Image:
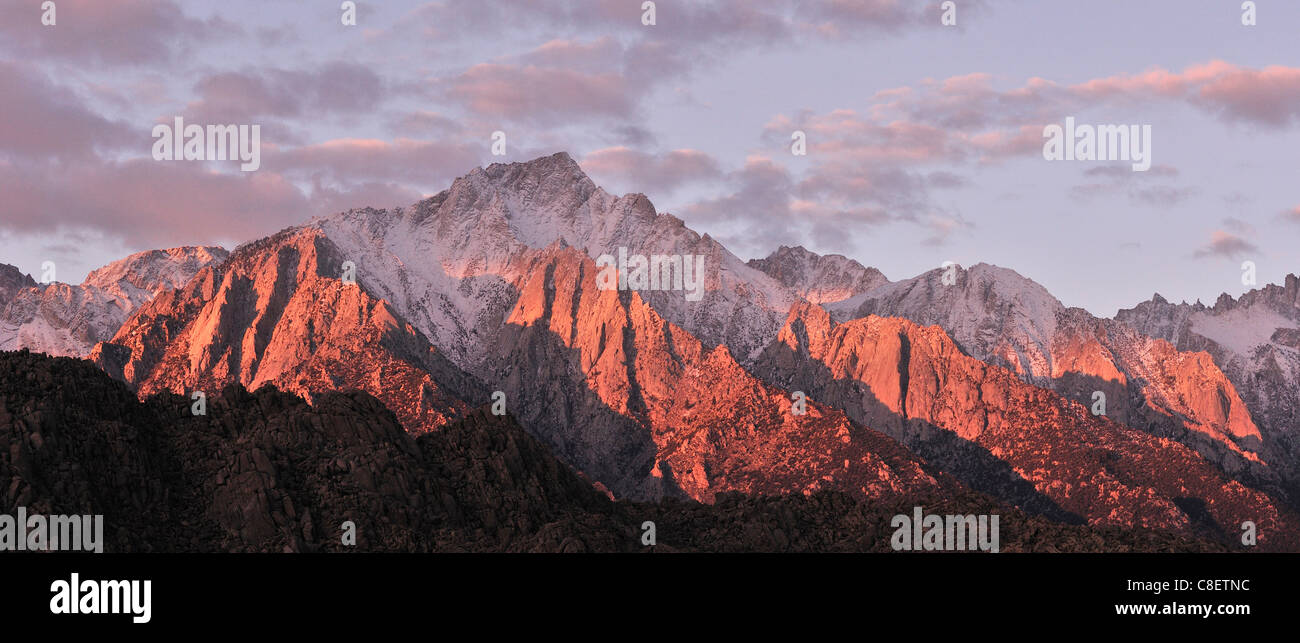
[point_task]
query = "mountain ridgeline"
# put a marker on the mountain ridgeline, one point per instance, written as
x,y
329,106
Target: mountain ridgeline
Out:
x,y
798,405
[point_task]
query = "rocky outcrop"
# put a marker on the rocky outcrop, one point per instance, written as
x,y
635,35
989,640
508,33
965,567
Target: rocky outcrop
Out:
x,y
817,278
280,312
265,471
1004,319
12,280
645,408
1000,435
63,319
1254,340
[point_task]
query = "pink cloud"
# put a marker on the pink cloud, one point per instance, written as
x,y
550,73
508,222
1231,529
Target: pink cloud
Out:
x,y
44,120
1268,96
160,204
106,31
240,97
1025,140
1227,245
862,159
594,56
687,34
846,135
652,172
149,202
542,95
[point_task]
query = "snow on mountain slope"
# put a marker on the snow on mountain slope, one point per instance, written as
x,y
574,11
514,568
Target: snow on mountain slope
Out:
x,y
1241,331
998,316
140,276
1255,339
277,312
67,320
819,279
635,402
1001,435
450,263
639,404
992,311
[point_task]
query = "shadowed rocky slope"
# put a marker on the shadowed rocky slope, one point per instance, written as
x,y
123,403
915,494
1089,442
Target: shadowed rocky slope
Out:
x,y
267,472
647,409
1255,339
1002,436
63,319
1004,319
278,312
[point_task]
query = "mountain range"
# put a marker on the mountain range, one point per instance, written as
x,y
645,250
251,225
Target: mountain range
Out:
x,y
793,379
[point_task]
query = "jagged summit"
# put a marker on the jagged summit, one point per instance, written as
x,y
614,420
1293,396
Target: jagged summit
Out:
x,y
999,316
545,177
142,274
13,280
819,278
946,294
557,162
1255,339
68,320
455,256
1224,302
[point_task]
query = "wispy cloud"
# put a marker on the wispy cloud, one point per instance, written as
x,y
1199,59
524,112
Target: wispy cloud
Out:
x,y
1224,244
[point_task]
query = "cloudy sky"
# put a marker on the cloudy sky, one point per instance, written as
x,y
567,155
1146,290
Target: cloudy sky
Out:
x,y
924,141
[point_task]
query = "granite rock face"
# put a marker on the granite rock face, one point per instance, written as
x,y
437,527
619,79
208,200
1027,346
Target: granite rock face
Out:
x,y
1255,340
265,471
1026,444
1166,389
280,311
65,319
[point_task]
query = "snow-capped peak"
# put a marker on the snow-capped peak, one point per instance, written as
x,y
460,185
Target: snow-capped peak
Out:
x,y
140,276
819,278
452,258
63,319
